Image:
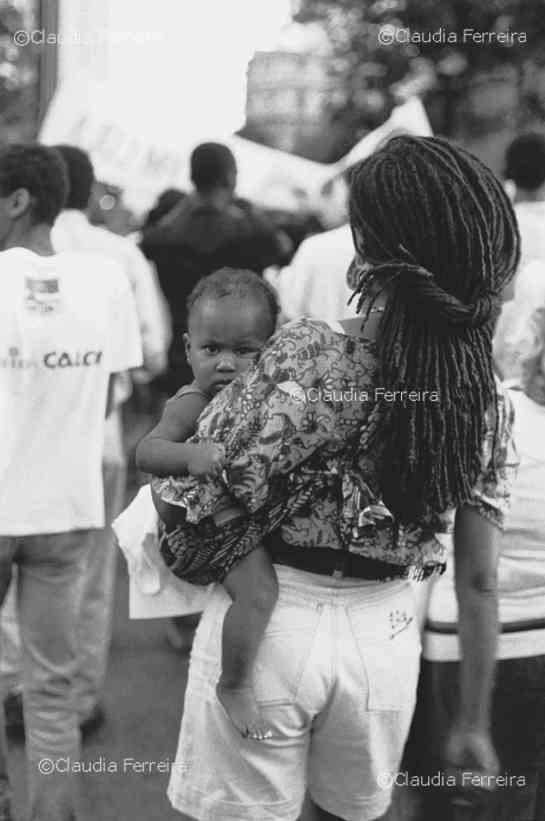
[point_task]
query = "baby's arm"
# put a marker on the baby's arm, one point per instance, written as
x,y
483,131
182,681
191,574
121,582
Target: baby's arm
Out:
x,y
163,452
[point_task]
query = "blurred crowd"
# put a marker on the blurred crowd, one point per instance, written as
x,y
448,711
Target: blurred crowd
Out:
x,y
148,270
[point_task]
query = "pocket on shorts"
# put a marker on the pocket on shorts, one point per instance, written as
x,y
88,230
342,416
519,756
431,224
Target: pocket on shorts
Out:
x,y
388,645
284,652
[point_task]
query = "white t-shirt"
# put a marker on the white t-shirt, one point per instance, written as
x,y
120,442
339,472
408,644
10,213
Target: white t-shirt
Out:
x,y
66,323
531,222
314,284
72,231
521,571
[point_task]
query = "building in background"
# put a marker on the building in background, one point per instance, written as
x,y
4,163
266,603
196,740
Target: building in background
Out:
x,y
288,91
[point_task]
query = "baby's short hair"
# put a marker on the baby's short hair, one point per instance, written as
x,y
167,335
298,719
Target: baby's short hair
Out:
x,y
236,283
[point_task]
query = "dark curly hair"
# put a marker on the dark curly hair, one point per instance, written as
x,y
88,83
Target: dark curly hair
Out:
x,y
212,166
440,234
238,284
81,176
40,171
525,161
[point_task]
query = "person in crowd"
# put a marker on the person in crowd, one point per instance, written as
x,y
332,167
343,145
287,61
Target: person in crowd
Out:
x,y
520,333
165,203
231,314
348,483
519,339
315,283
206,231
518,704
525,167
72,231
68,326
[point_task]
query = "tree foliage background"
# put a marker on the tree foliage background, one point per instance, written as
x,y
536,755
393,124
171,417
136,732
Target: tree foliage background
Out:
x,y
19,78
371,78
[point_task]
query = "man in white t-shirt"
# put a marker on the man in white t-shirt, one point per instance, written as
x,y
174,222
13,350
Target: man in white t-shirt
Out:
x,y
315,284
72,231
67,325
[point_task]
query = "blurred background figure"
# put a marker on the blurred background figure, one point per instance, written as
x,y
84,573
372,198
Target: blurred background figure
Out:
x,y
519,340
165,203
518,713
315,283
205,231
525,167
69,324
73,231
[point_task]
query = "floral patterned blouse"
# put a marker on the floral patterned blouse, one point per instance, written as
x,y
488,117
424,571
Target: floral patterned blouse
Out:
x,y
294,433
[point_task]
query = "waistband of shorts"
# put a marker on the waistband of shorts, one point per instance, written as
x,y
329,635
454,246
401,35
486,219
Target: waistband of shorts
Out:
x,y
311,588
327,561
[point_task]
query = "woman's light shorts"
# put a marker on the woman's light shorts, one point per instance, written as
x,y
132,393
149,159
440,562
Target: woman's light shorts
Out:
x,y
335,677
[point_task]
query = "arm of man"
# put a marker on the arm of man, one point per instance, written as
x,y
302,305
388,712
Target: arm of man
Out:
x,y
125,352
476,559
164,452
151,320
477,534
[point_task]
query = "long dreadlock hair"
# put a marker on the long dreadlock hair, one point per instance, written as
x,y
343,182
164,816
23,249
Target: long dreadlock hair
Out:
x,y
442,239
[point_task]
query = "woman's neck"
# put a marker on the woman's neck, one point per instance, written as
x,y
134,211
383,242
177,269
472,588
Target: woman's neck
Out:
x,y
364,330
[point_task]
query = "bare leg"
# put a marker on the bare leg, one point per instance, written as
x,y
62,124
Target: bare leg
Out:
x,y
254,589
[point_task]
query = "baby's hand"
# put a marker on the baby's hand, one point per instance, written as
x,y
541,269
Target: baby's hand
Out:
x,y
205,459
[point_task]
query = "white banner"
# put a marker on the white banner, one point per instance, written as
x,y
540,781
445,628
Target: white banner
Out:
x,y
144,157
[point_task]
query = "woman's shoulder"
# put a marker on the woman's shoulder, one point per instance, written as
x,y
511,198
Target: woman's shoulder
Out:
x,y
309,350
309,326
318,331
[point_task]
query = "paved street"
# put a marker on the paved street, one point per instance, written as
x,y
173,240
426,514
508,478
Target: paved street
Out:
x,y
143,700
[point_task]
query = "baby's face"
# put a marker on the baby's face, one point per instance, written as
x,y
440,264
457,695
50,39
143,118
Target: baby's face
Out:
x,y
224,340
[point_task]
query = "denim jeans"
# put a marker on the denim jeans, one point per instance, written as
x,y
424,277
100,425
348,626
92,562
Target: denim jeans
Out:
x,y
97,596
50,567
10,641
95,619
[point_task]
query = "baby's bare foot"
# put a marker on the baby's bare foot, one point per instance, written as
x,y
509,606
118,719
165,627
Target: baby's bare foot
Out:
x,y
242,708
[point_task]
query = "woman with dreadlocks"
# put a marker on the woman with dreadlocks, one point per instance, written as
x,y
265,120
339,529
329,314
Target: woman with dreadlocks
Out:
x,y
351,452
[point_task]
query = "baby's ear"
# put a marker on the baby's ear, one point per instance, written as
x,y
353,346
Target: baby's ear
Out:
x,y
187,344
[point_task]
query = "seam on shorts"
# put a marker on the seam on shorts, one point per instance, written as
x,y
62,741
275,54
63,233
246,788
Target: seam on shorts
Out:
x,y
192,800
292,692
